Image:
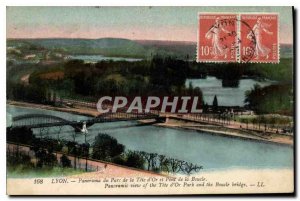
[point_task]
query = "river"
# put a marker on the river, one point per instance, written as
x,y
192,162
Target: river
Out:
x,y
97,58
227,96
211,151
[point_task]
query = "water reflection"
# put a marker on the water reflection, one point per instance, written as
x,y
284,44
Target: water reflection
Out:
x,y
227,96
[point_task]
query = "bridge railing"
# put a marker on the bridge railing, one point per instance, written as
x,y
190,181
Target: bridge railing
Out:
x,y
93,105
44,120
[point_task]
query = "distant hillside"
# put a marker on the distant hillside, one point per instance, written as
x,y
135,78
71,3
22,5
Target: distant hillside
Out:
x,y
184,48
103,46
180,48
121,47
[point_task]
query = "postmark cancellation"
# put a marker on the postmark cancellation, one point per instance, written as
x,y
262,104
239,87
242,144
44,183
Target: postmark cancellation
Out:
x,y
240,38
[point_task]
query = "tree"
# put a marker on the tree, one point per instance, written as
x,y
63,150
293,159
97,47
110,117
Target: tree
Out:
x,y
176,165
188,168
134,159
34,92
21,135
166,72
57,145
215,104
205,107
273,99
21,159
43,150
65,161
72,149
106,147
50,160
84,150
119,160
252,97
150,158
163,163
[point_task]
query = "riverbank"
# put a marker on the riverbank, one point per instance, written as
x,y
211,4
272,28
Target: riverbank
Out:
x,y
79,111
177,124
229,132
225,131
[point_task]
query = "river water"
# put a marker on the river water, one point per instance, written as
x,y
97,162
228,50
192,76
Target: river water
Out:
x,y
211,151
227,96
97,58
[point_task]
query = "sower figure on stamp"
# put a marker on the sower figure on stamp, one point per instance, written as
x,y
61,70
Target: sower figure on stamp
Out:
x,y
260,48
214,34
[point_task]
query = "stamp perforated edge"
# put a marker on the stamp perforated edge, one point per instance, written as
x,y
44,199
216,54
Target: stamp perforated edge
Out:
x,y
278,36
198,28
238,27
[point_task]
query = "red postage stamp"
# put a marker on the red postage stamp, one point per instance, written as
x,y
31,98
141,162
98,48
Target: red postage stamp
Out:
x,y
217,37
259,38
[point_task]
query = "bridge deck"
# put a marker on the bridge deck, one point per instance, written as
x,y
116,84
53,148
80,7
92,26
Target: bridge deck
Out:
x,y
21,121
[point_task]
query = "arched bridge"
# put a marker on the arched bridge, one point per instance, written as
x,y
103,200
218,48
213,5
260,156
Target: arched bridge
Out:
x,y
44,120
38,121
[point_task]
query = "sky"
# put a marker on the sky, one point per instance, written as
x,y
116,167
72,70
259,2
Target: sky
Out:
x,y
137,23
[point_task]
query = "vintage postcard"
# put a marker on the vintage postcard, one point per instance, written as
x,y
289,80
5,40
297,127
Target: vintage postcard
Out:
x,y
150,100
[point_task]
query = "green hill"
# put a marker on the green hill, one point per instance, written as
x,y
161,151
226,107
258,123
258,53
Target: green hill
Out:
x,y
119,47
103,46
